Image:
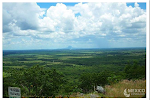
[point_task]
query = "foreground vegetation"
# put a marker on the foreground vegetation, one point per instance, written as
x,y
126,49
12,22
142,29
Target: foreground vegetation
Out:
x,y
54,73
115,90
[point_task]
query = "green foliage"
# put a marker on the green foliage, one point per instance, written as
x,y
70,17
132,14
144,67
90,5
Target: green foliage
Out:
x,y
35,81
53,83
114,78
82,69
6,84
86,82
89,80
135,71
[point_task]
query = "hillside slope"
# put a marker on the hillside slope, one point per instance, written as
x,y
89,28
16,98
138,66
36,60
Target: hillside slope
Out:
x,y
117,90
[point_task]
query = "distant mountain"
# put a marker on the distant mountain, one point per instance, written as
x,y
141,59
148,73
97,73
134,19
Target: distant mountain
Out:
x,y
69,47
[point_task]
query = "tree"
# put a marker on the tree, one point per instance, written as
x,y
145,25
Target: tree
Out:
x,y
52,82
90,80
30,78
39,81
135,71
86,82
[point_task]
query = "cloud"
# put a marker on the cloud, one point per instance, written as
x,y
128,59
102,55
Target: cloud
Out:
x,y
63,17
102,21
25,14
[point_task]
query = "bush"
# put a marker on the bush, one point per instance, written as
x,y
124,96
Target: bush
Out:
x,y
89,80
34,81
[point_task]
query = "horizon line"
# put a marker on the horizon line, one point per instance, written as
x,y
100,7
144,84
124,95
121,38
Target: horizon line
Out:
x,y
71,48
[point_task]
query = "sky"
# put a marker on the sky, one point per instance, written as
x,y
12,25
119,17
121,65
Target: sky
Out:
x,y
35,25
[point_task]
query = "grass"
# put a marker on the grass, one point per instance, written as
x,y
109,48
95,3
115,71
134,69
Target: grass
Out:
x,y
5,74
33,61
117,90
16,66
70,57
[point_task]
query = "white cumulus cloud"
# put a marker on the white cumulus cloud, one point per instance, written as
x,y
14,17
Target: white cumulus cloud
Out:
x,y
84,21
